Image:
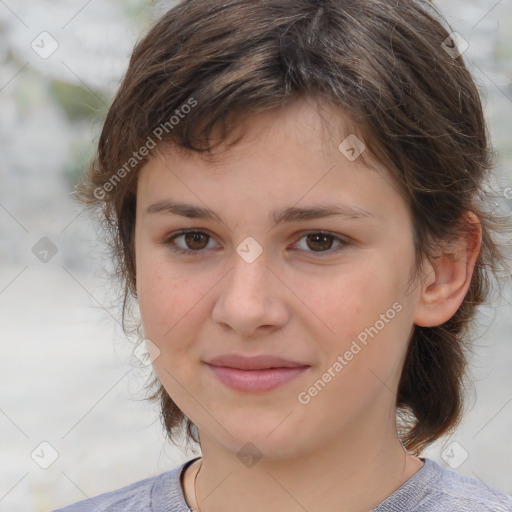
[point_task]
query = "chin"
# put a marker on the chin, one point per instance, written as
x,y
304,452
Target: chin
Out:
x,y
259,441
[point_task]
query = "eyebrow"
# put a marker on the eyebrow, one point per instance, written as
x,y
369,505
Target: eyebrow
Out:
x,y
289,214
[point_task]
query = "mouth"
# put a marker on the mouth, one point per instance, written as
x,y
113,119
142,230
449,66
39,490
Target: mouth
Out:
x,y
260,362
255,380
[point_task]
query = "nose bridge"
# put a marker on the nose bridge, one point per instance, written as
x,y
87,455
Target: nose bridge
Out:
x,y
250,296
250,270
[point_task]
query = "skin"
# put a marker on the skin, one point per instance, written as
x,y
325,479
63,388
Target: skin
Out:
x,y
340,451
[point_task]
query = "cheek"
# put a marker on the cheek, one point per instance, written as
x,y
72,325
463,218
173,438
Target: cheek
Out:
x,y
167,314
363,312
173,306
162,293
164,300
170,307
345,301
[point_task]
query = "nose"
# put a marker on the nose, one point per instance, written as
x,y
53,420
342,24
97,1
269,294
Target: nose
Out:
x,y
252,298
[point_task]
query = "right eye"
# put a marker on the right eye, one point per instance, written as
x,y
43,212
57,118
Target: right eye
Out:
x,y
194,239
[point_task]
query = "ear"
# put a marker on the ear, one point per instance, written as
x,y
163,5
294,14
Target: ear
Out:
x,y
449,278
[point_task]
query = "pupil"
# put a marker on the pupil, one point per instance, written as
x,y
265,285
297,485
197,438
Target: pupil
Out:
x,y
194,237
320,237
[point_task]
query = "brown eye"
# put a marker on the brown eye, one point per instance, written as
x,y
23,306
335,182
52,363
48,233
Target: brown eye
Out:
x,y
192,242
195,240
320,241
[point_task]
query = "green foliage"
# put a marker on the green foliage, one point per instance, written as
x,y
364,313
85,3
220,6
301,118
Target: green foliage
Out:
x,y
82,154
78,102
503,48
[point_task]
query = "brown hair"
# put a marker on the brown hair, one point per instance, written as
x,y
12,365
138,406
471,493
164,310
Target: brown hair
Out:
x,y
386,64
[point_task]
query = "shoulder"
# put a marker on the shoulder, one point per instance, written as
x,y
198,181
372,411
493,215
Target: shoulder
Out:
x,y
158,493
469,494
435,489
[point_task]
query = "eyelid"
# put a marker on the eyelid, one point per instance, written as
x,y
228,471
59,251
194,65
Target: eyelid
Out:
x,y
344,241
168,241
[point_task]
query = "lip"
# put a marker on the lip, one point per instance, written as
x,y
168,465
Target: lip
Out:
x,y
256,373
260,362
256,380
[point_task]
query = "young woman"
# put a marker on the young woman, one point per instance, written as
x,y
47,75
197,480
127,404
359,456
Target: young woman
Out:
x,y
295,196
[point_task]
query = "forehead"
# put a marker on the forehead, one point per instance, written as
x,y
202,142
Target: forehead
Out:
x,y
295,154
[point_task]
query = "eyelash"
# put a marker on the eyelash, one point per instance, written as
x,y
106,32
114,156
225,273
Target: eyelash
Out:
x,y
169,243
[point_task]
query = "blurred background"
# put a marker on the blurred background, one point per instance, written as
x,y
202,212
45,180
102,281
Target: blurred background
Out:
x,y
73,422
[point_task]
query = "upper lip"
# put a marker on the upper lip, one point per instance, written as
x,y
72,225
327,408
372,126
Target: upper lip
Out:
x,y
260,362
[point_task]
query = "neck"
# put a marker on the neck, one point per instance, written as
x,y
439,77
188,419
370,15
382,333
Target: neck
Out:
x,y
342,475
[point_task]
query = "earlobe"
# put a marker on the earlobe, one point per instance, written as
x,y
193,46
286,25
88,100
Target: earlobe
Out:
x,y
443,291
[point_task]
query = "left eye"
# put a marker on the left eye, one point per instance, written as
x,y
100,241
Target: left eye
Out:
x,y
320,239
196,241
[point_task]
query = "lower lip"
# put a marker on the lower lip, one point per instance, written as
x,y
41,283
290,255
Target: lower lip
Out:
x,y
256,380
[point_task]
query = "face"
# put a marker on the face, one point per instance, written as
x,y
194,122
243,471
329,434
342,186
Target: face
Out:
x,y
328,293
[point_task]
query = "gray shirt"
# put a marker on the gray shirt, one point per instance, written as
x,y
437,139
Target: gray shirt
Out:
x,y
431,489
